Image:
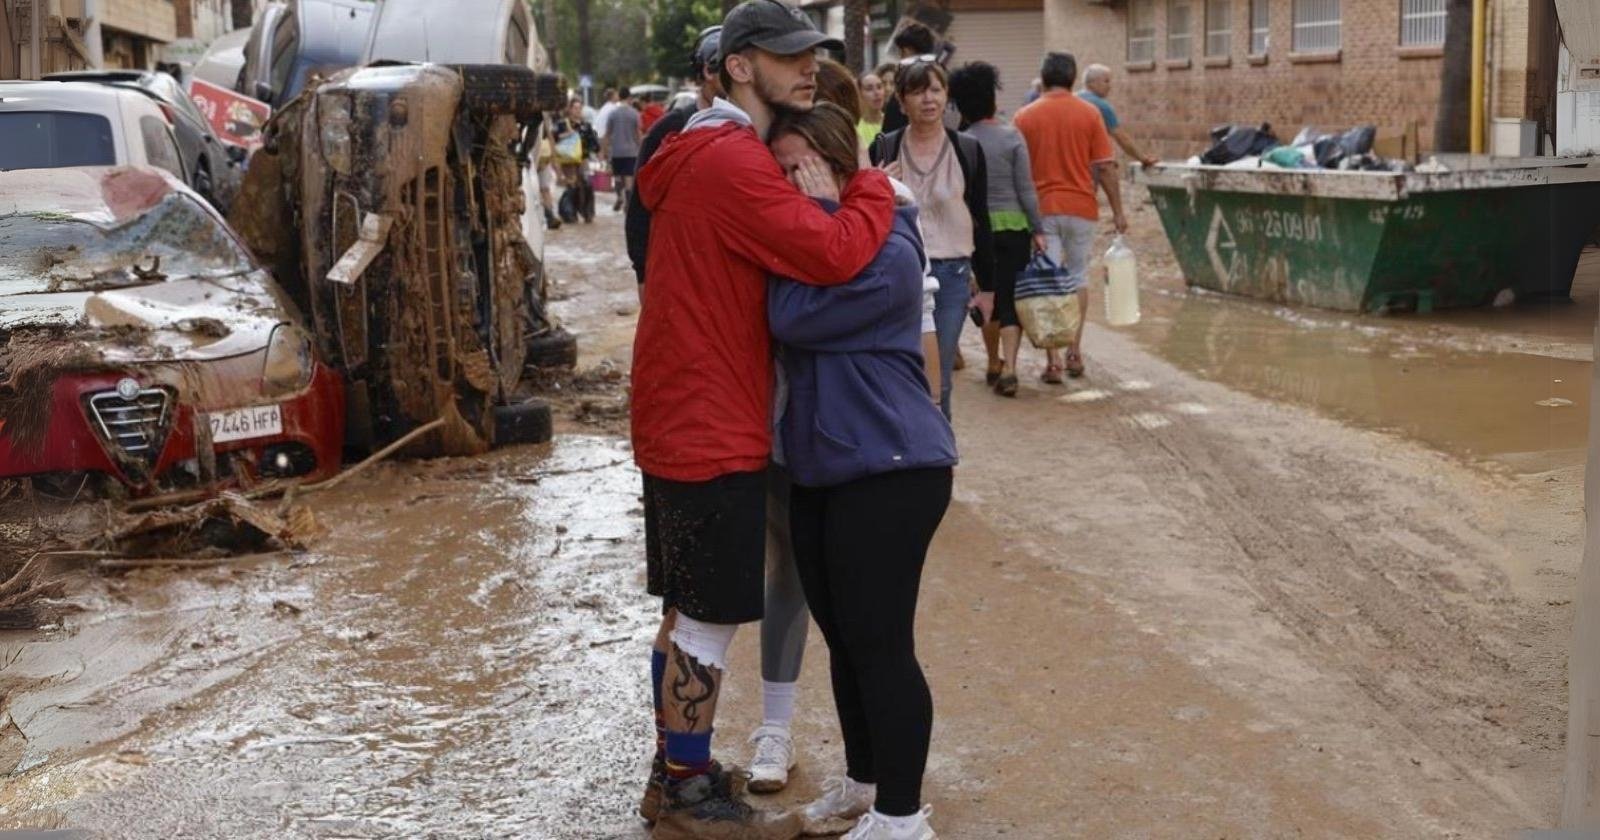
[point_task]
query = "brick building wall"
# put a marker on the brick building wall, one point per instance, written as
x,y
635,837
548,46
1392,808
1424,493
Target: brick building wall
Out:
x,y
1170,106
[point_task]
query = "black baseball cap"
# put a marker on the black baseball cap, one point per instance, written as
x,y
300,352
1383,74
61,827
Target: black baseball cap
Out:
x,y
770,25
706,55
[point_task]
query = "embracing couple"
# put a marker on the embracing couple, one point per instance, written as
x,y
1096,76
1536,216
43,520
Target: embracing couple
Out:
x,y
763,228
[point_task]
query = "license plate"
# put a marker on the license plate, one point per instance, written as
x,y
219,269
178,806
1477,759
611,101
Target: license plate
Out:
x,y
246,423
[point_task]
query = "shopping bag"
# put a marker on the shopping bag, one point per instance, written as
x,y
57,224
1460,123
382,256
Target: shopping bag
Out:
x,y
569,149
1047,303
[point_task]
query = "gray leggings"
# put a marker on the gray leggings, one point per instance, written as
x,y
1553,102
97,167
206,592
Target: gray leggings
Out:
x,y
783,629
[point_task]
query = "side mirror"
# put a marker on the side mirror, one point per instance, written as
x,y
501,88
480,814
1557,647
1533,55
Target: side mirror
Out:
x,y
263,92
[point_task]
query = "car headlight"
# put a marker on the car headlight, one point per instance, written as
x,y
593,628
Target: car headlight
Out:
x,y
333,112
289,364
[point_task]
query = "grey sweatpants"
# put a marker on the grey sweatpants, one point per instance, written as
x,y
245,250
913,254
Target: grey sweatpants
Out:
x,y
783,629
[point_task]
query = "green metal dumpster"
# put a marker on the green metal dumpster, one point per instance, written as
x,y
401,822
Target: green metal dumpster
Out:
x,y
1375,241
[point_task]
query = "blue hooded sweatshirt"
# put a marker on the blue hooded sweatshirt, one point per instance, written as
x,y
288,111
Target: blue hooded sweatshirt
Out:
x,y
858,400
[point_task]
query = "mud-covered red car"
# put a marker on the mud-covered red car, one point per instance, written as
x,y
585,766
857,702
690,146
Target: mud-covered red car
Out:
x,y
143,348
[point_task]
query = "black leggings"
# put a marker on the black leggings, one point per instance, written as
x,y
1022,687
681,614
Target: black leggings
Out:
x,y
860,548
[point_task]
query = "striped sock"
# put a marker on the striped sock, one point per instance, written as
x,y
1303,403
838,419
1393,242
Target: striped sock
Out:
x,y
688,754
658,672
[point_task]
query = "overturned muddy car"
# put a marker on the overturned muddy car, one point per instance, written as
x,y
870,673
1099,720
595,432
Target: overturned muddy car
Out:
x,y
142,348
389,201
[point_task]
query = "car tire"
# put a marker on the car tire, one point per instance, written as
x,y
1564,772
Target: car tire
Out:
x,y
554,349
527,422
510,89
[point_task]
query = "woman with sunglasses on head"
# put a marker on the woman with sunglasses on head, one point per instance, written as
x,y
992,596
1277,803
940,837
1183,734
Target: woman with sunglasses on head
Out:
x,y
947,172
1014,219
871,461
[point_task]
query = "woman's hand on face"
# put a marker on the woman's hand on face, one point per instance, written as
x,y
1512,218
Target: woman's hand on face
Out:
x,y
813,177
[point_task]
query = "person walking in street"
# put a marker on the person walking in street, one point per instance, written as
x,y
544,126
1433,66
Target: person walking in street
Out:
x,y
622,138
1070,151
724,217
946,170
609,104
1014,217
1096,90
871,459
578,140
784,623
911,40
650,112
873,93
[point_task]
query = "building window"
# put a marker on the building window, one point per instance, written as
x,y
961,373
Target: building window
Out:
x,y
1219,28
1179,30
1142,30
1316,26
1259,28
1421,23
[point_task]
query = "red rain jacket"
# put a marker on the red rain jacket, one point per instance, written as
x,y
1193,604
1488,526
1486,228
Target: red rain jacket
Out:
x,y
724,218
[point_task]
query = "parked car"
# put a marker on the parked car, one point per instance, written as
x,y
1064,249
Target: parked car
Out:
x,y
211,169
293,41
141,344
479,33
54,124
223,61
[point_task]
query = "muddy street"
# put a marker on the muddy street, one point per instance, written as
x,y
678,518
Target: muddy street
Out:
x,y
1263,572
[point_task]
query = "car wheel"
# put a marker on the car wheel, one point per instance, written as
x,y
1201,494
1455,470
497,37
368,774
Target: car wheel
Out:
x,y
528,422
553,349
510,89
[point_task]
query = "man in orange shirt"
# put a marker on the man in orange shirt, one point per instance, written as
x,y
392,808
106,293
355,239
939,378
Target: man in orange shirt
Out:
x,y
1069,150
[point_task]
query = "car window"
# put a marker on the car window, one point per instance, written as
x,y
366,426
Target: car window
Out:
x,y
56,252
172,93
285,43
159,147
50,139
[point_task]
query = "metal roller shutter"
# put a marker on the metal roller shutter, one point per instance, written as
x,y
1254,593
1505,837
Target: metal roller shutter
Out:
x,y
1011,41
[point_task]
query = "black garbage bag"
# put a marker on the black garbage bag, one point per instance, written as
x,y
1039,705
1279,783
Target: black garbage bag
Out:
x,y
1238,141
1358,140
1328,151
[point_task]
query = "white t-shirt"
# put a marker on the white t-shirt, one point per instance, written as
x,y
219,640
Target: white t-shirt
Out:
x,y
600,118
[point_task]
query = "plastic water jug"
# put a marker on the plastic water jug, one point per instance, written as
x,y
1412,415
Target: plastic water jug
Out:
x,y
1122,285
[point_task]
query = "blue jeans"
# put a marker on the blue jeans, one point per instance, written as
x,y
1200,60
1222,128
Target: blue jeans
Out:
x,y
950,306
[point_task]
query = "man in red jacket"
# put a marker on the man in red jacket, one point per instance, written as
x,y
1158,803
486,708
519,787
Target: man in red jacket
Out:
x,y
724,218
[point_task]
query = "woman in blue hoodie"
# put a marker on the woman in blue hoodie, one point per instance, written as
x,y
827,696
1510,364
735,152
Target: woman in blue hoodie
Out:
x,y
871,456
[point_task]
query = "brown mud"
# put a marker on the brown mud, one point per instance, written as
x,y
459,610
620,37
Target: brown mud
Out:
x,y
1168,601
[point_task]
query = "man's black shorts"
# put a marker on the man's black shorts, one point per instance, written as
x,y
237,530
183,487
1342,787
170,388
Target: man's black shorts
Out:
x,y
624,167
706,545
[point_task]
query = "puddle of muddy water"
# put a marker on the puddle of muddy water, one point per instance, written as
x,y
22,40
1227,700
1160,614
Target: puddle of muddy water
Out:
x,y
456,648
1454,382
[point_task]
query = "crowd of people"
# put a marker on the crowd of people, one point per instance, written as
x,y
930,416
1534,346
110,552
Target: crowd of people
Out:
x,y
809,245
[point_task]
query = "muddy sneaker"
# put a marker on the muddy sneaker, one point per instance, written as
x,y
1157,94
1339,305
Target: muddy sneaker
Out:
x,y
843,801
875,826
773,759
708,808
654,791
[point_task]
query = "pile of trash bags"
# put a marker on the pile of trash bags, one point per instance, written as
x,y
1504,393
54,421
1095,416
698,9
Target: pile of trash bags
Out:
x,y
1251,147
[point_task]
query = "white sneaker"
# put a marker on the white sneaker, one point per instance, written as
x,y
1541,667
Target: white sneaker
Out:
x,y
875,826
774,758
843,801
